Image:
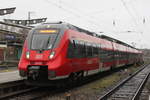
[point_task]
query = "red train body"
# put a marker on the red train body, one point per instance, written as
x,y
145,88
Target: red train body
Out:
x,y
54,51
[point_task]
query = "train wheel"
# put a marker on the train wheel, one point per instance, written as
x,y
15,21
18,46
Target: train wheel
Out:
x,y
75,78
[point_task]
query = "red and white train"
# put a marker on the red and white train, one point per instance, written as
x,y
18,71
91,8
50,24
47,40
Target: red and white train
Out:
x,y
58,51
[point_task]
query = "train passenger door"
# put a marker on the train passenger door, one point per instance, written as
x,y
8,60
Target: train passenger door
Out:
x,y
101,58
115,55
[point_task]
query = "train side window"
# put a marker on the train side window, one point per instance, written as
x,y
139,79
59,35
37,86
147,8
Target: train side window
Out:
x,y
70,52
73,49
88,50
83,50
76,42
110,55
95,50
115,55
106,55
76,50
102,54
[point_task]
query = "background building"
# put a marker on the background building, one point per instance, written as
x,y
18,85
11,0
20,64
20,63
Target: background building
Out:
x,y
11,41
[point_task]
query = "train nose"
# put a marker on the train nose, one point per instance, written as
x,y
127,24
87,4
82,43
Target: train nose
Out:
x,y
39,56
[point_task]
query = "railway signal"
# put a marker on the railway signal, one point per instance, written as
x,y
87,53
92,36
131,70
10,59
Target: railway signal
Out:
x,y
7,11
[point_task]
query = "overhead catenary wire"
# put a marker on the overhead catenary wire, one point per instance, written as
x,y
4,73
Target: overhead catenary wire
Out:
x,y
89,16
140,31
100,11
76,13
63,9
142,25
92,19
130,14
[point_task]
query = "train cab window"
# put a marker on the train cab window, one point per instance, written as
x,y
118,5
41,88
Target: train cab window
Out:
x,y
43,39
42,42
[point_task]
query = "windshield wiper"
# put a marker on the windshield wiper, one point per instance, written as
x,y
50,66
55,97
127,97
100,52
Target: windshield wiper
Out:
x,y
48,41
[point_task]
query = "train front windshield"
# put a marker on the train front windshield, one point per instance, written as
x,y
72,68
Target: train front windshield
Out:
x,y
43,39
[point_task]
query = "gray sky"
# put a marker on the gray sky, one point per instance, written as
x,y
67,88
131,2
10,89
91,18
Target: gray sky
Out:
x,y
93,15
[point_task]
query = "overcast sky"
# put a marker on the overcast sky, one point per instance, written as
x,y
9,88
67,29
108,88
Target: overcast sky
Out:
x,y
93,15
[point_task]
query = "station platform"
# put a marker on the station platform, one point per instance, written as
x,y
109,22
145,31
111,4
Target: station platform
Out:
x,y
6,77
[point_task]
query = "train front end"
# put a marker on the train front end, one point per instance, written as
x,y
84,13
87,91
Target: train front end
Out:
x,y
41,57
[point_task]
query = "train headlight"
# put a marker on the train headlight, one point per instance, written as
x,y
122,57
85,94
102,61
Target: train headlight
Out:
x,y
27,54
51,55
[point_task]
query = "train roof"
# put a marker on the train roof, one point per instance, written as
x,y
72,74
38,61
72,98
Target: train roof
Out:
x,y
91,33
116,41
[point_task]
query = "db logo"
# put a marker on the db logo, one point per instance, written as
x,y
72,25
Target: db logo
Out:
x,y
39,56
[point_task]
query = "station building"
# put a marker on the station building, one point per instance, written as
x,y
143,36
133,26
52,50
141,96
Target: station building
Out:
x,y
11,42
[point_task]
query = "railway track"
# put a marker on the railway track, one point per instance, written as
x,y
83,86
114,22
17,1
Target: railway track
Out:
x,y
36,93
144,95
19,91
32,94
129,88
11,89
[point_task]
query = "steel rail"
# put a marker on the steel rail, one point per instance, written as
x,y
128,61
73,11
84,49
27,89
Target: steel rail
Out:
x,y
136,96
109,93
6,96
13,88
